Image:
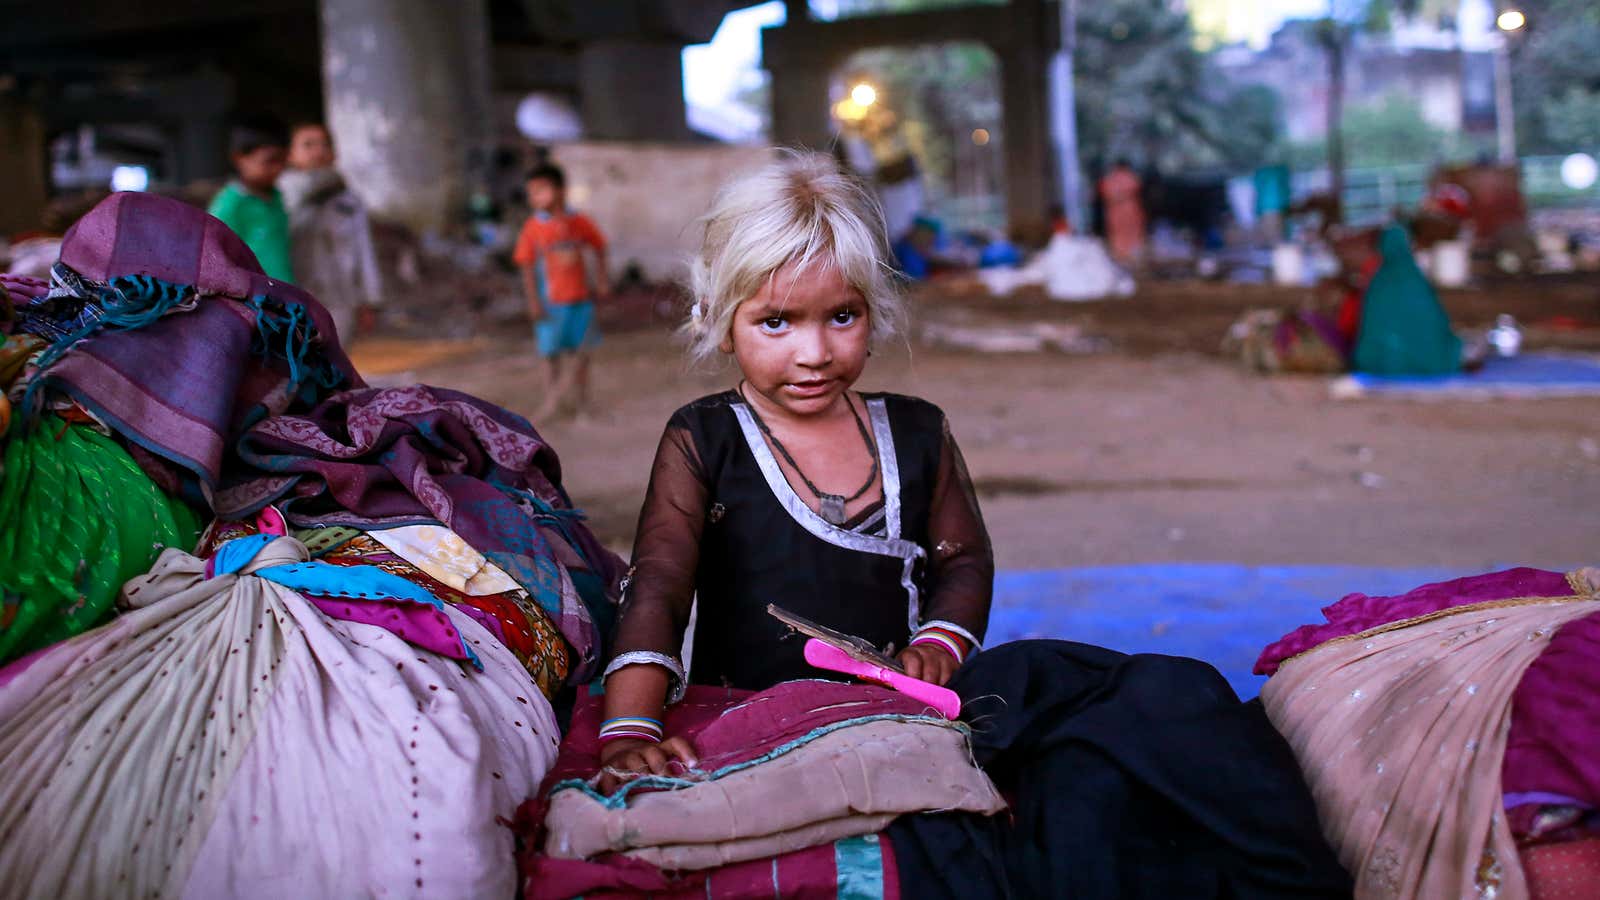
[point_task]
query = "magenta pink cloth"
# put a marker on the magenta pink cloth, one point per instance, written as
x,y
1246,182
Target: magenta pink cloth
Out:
x,y
1554,745
24,287
1356,613
1555,710
420,626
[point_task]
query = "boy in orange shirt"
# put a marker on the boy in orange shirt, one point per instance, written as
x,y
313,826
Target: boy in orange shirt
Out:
x,y
550,253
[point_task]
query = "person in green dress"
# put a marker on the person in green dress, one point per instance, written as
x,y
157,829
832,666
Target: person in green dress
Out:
x,y
1404,330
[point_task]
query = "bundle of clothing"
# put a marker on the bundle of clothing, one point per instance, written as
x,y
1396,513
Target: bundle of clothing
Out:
x,y
1093,754
791,773
240,583
1449,734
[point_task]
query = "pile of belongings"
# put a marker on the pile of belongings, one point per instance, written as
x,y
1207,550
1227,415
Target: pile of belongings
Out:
x,y
790,794
1069,268
264,630
1449,734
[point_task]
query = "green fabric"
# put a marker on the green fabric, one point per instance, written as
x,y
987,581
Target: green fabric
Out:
x,y
1404,330
320,541
263,224
858,862
78,518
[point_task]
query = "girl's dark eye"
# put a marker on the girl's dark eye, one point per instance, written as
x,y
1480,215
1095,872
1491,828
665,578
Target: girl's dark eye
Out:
x,y
844,317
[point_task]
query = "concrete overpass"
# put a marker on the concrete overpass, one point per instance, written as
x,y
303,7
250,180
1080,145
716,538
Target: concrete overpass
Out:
x,y
412,88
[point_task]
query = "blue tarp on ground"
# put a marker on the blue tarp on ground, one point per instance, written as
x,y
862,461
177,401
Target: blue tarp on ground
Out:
x,y
1219,612
1528,375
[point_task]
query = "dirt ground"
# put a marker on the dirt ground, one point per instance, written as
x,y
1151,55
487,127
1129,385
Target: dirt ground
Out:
x,y
1154,449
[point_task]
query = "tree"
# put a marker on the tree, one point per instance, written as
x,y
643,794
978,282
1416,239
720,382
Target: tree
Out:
x,y
1336,32
1556,76
1389,132
1146,93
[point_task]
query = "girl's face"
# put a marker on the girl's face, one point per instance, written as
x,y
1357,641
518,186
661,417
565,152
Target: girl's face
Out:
x,y
801,341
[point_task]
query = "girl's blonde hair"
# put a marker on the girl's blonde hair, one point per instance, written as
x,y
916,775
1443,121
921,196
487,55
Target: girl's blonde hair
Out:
x,y
800,209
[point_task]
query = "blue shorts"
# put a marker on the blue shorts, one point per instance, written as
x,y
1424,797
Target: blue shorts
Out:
x,y
566,328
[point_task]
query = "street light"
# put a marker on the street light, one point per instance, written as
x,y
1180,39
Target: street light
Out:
x,y
864,94
1505,125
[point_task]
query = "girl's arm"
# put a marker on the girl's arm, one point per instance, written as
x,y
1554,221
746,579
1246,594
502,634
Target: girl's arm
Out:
x,y
645,674
961,569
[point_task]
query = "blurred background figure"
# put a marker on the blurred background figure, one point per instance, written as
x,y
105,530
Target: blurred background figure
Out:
x,y
1125,218
561,289
330,233
250,203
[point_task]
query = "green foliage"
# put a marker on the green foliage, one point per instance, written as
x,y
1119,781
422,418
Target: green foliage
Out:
x,y
1143,92
1389,132
1146,93
1572,120
937,94
1253,132
1556,77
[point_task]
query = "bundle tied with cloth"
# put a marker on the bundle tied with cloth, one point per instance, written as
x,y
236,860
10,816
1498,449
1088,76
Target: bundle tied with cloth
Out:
x,y
392,587
797,765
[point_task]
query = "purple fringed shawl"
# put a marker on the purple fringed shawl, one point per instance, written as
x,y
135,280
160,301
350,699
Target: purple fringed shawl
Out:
x,y
185,386
376,458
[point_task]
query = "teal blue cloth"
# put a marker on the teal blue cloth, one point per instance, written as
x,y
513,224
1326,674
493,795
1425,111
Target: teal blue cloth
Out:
x,y
320,579
566,328
858,862
1272,189
1404,329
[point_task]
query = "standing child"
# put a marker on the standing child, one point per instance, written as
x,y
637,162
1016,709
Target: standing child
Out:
x,y
560,289
250,203
1133,776
334,254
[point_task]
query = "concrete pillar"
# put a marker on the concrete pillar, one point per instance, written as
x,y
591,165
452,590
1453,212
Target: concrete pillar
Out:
x,y
800,115
24,166
1025,114
199,106
631,89
408,102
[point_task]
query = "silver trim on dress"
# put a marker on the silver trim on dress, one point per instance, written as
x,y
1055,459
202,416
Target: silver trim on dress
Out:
x,y
808,519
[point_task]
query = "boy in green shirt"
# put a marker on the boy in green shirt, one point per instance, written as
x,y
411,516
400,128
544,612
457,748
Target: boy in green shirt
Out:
x,y
250,204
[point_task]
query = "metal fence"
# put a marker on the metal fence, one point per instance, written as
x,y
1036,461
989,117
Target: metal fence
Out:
x,y
1371,194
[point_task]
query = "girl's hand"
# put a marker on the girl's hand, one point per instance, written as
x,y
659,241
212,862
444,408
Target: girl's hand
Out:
x,y
929,663
670,757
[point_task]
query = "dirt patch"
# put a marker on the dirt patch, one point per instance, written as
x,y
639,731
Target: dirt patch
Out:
x,y
1158,451
1558,311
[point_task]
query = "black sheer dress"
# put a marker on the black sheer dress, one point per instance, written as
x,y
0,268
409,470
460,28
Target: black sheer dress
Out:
x,y
720,519
1131,776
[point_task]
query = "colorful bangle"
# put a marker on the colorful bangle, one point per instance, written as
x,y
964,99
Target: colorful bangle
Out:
x,y
942,638
632,727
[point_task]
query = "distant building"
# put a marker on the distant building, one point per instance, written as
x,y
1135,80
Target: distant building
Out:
x,y
1453,87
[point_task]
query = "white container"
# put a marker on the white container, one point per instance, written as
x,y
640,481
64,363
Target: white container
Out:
x,y
1288,265
1452,264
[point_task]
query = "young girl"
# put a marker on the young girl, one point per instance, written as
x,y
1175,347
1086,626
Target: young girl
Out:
x,y
1132,776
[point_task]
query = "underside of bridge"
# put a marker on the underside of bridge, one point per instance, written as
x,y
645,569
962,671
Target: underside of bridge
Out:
x,y
412,89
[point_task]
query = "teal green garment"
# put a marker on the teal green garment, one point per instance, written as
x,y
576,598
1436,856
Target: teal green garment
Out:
x,y
1404,330
263,224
